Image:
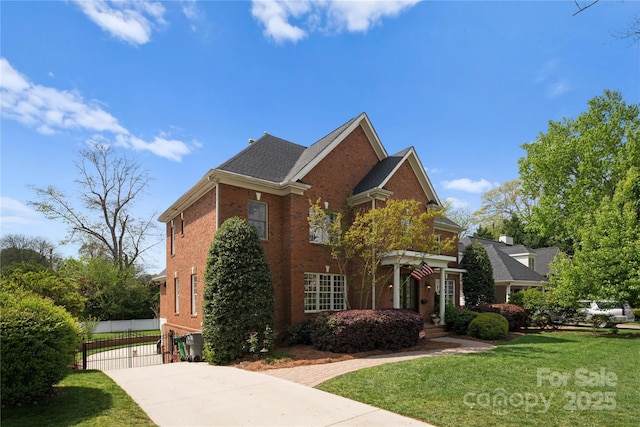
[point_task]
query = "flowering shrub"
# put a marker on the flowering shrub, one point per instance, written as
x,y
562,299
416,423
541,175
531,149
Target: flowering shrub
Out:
x,y
514,314
351,331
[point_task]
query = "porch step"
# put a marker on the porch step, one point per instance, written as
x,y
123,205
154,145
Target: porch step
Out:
x,y
434,331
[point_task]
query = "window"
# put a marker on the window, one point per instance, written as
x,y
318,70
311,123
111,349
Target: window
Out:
x,y
176,301
194,294
182,225
449,290
319,231
438,244
532,263
258,218
324,292
173,239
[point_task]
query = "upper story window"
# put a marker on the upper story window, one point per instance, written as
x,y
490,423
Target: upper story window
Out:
x,y
532,263
173,238
257,216
318,228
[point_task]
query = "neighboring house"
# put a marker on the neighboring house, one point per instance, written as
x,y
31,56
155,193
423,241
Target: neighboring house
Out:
x,y
515,267
270,183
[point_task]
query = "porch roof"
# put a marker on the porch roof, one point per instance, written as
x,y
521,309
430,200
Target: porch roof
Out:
x,y
414,258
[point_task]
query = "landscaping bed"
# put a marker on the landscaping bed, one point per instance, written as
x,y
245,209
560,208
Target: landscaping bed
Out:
x,y
301,355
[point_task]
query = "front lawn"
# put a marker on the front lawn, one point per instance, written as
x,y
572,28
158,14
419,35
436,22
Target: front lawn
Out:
x,y
549,379
83,398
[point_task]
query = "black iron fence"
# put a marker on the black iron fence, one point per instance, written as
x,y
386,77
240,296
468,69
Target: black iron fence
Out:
x,y
127,350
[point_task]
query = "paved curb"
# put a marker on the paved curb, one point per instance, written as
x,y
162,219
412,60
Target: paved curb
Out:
x,y
312,375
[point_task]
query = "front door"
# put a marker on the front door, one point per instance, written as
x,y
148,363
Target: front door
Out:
x,y
409,292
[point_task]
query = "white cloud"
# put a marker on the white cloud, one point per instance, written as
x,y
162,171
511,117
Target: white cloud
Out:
x,y
130,21
50,110
322,15
458,203
547,76
468,186
14,215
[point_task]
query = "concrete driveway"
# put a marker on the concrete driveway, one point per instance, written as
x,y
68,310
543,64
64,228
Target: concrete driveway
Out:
x,y
198,394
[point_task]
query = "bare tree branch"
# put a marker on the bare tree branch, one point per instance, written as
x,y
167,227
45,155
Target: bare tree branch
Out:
x,y
109,188
583,8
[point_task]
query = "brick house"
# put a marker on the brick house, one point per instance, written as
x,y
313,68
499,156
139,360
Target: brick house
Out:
x,y
270,183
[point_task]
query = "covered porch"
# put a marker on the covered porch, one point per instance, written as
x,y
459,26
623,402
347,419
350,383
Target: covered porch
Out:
x,y
403,262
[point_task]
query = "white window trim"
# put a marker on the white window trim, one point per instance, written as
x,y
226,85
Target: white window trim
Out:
x,y
266,218
176,290
194,295
334,306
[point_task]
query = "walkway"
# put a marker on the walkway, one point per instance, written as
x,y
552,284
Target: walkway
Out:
x,y
198,394
313,375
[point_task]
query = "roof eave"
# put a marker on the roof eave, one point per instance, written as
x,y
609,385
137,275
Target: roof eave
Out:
x,y
217,176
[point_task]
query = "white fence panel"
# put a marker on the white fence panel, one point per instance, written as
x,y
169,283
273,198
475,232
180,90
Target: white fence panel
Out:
x,y
127,325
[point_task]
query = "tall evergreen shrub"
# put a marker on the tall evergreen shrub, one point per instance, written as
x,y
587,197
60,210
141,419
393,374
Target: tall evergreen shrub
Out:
x,y
238,292
478,284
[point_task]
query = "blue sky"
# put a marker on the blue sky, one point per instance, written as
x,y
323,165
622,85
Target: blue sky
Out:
x,y
181,86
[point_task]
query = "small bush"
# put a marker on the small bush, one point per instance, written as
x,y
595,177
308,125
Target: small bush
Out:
x,y
514,314
39,340
636,312
300,333
352,331
489,326
457,319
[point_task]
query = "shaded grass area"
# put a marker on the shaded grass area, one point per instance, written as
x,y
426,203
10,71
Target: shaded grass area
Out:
x,y
550,379
83,398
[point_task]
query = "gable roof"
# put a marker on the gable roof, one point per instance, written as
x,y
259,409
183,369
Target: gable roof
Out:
x,y
278,166
269,158
544,258
505,267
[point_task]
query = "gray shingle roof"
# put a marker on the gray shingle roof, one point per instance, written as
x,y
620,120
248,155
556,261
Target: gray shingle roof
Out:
x,y
379,173
544,258
505,268
269,158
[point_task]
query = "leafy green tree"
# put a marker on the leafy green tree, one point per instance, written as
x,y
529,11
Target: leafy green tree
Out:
x,y
578,162
515,228
478,284
398,226
502,202
607,263
484,233
18,248
61,290
238,292
111,293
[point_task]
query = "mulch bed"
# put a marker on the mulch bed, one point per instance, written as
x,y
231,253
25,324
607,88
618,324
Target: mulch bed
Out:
x,y
303,355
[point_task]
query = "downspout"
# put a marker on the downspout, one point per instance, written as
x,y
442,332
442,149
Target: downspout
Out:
x,y
442,292
373,256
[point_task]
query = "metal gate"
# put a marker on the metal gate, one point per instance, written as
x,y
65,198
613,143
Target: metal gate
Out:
x,y
127,350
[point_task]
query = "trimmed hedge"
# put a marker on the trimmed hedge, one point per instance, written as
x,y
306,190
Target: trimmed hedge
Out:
x,y
514,314
489,326
352,331
238,304
39,341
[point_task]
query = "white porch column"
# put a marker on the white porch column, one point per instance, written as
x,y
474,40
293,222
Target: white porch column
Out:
x,y
396,288
508,293
443,276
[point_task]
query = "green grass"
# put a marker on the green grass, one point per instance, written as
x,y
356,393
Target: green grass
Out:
x,y
466,390
83,398
105,335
